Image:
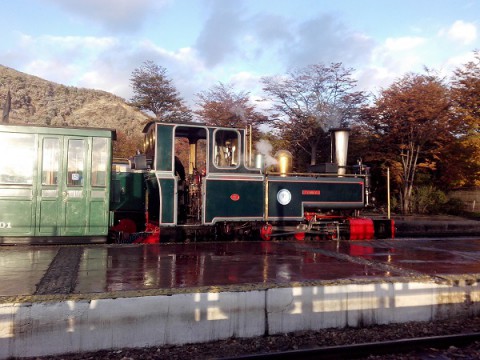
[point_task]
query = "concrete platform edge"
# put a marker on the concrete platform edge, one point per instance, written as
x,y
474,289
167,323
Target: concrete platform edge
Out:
x,y
78,325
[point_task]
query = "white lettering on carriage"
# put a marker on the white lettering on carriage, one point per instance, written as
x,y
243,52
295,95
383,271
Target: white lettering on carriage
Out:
x,y
5,225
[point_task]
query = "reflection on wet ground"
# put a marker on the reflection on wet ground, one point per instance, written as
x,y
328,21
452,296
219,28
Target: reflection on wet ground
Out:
x,y
202,264
22,268
105,268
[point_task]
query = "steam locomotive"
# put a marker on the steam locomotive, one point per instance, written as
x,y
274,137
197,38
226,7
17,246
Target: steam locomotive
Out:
x,y
192,181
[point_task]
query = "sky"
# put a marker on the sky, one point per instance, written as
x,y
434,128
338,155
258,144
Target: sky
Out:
x,y
97,44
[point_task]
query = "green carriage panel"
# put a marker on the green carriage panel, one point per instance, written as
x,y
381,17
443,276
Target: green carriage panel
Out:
x,y
48,223
16,217
98,217
233,198
288,197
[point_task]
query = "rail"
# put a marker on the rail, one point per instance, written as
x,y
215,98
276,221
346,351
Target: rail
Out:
x,y
364,350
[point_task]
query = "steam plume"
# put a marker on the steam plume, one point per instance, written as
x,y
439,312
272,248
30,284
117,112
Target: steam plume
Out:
x,y
265,148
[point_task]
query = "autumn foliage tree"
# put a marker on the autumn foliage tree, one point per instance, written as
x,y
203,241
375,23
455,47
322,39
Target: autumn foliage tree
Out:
x,y
154,92
461,166
311,100
222,106
127,144
466,95
411,124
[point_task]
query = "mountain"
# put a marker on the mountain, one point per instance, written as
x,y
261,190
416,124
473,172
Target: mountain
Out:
x,y
38,101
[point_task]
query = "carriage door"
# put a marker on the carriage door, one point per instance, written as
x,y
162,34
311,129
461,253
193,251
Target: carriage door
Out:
x,y
62,203
74,211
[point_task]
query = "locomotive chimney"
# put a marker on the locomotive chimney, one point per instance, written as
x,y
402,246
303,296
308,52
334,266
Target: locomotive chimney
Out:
x,y
339,140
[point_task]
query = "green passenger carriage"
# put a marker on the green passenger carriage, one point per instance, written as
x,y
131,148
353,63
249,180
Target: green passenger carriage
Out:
x,y
54,183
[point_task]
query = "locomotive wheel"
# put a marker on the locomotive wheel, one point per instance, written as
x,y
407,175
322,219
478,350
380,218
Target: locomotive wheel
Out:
x,y
266,231
299,236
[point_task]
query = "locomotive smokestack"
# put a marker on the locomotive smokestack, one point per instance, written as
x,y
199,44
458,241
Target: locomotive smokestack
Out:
x,y
340,141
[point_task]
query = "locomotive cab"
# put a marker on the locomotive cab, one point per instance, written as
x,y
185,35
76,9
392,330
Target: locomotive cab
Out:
x,y
201,175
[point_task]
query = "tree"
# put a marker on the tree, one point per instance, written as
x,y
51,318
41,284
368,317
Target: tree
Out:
x,y
466,95
155,93
6,107
222,106
311,100
461,163
127,144
411,123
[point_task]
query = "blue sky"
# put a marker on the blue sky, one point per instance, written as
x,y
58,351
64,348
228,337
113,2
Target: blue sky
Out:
x,y
98,43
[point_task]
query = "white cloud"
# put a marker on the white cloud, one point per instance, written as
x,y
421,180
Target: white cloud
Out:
x,y
456,62
462,32
62,43
244,79
404,43
64,60
374,78
186,57
391,60
105,63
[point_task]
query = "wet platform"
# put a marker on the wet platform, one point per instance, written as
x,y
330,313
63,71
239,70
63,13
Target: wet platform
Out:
x,y
81,298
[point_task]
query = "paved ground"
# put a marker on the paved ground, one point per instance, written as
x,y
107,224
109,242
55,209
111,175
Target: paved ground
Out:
x,y
99,269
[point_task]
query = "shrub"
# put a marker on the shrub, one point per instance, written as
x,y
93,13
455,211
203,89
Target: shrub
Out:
x,y
428,200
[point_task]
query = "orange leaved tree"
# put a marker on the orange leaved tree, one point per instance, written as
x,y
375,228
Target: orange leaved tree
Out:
x,y
411,122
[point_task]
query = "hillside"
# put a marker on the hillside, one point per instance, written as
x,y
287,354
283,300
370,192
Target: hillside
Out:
x,y
38,101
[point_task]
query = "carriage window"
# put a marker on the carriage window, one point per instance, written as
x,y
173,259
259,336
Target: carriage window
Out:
x,y
99,162
226,150
76,155
50,161
17,156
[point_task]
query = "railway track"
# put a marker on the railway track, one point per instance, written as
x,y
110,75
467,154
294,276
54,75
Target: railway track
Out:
x,y
424,345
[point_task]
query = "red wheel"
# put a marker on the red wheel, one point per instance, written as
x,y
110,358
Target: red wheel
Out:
x,y
266,231
300,236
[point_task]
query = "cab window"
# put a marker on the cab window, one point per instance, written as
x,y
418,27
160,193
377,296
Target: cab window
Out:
x,y
226,149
